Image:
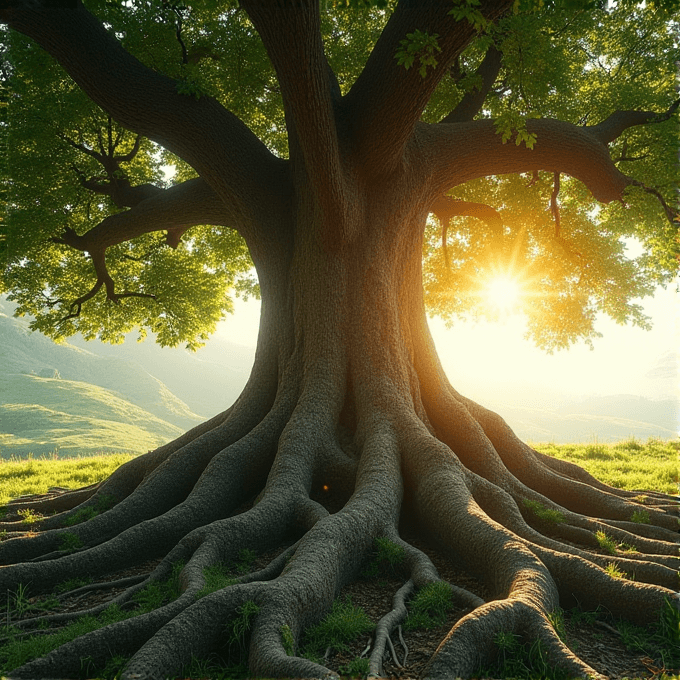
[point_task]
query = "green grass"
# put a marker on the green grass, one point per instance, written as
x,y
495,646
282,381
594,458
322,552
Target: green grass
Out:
x,y
18,651
629,464
73,417
37,475
342,625
429,607
543,513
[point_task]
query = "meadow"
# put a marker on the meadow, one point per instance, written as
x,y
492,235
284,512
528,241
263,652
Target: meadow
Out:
x,y
630,464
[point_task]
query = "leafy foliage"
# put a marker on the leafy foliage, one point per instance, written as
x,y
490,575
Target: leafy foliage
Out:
x,y
576,61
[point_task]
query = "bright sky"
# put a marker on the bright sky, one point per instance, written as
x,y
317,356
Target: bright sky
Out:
x,y
484,356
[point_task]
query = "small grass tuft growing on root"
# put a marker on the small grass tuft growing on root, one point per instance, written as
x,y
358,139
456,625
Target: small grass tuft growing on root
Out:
x,y
288,640
29,516
614,571
386,558
548,515
216,577
640,517
80,516
239,627
342,625
429,607
158,593
70,543
556,618
606,543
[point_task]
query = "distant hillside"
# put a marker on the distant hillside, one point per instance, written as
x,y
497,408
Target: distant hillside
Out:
x,y
209,380
173,385
24,352
605,420
40,415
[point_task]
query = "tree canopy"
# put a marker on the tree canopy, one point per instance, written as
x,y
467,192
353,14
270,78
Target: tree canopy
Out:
x,y
69,165
370,162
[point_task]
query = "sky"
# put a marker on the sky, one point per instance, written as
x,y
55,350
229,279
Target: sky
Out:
x,y
482,356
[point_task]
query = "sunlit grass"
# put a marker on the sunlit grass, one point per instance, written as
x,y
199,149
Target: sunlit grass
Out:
x,y
38,475
629,464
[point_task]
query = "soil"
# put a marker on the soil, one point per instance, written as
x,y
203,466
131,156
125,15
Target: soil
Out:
x,y
596,641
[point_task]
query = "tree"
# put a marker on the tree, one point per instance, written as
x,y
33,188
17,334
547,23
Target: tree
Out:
x,y
538,136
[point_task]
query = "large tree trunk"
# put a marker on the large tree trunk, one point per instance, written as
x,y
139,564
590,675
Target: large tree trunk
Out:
x,y
347,410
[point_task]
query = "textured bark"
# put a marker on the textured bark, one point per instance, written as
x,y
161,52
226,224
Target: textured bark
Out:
x,y
348,424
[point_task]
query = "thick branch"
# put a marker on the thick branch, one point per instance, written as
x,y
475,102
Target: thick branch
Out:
x,y
292,38
612,127
202,132
462,152
389,99
470,105
182,206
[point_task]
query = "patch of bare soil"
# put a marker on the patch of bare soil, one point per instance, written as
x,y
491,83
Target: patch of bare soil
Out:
x,y
595,641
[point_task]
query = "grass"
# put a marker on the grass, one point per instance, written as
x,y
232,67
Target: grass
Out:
x,y
73,416
429,607
629,464
16,651
342,625
386,559
547,515
38,475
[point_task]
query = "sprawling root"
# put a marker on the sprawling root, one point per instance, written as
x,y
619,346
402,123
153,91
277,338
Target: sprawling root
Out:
x,y
317,473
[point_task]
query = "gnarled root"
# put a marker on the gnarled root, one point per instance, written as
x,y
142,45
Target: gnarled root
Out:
x,y
305,472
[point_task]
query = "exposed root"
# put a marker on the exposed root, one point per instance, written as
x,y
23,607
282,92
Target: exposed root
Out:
x,y
386,626
269,482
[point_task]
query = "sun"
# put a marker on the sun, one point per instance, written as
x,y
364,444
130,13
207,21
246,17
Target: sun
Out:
x,y
503,293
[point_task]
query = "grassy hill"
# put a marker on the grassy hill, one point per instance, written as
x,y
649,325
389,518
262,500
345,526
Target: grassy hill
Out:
x,y
25,352
40,415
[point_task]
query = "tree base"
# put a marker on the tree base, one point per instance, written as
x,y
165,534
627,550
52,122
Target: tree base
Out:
x,y
230,488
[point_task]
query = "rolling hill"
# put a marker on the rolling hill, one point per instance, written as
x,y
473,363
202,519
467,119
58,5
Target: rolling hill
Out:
x,y
82,398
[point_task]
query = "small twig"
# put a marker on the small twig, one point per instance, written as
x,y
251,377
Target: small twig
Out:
x,y
367,649
394,654
671,214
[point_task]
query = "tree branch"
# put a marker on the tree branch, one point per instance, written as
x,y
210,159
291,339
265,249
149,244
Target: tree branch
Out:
x,y
470,105
116,183
457,153
292,37
387,99
176,209
202,132
444,208
613,126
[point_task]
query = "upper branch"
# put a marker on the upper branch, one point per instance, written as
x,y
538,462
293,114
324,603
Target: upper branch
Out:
x,y
612,127
470,105
291,35
458,153
202,132
387,100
